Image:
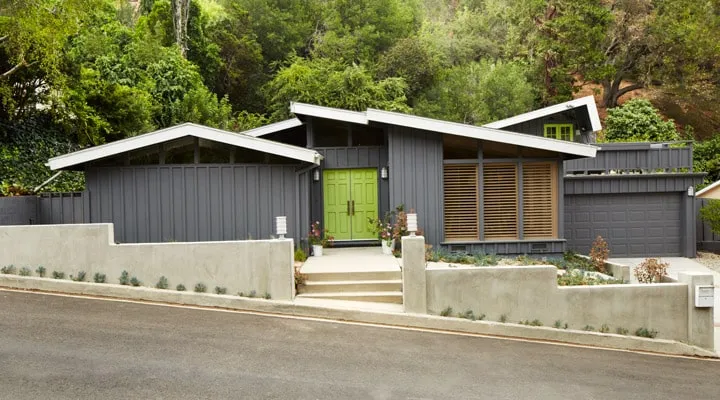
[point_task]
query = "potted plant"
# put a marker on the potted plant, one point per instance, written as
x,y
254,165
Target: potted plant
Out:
x,y
319,238
384,230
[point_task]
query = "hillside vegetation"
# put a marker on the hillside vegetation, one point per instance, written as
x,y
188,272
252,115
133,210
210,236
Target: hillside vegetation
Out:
x,y
75,73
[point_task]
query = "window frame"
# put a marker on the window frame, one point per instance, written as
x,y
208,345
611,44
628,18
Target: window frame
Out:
x,y
558,132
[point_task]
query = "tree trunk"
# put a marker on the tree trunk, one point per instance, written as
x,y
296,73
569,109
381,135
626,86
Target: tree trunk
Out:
x,y
612,91
181,12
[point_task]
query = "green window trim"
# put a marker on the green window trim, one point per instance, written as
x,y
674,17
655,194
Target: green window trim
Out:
x,y
559,131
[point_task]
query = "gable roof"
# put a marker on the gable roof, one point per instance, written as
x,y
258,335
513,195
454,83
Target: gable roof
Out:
x,y
708,191
187,129
587,101
451,128
482,133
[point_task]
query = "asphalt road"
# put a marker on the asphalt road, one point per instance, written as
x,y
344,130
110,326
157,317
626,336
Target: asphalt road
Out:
x,y
54,347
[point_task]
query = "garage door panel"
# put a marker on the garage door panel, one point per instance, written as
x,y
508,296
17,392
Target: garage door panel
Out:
x,y
634,225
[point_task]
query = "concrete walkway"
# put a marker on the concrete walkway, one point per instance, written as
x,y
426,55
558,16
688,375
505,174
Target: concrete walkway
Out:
x,y
682,264
351,259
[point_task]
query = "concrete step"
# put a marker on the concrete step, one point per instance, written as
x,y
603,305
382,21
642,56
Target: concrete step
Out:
x,y
378,297
385,285
352,276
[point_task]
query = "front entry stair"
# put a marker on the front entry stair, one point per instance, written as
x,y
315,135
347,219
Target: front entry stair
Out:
x,y
370,286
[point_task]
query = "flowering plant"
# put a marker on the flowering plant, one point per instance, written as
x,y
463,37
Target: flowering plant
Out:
x,y
382,227
319,236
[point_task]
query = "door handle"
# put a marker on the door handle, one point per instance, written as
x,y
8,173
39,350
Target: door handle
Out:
x,y
352,207
348,207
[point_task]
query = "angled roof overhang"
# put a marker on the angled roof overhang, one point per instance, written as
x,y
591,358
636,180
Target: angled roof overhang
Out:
x,y
709,192
587,101
188,129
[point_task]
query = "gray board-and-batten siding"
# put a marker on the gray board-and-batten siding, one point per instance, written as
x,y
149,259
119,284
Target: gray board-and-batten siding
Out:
x,y
205,202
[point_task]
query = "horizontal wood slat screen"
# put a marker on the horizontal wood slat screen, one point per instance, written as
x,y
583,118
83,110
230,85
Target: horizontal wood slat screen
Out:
x,y
539,200
461,201
500,201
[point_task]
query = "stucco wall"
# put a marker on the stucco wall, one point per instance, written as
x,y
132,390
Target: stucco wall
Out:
x,y
240,266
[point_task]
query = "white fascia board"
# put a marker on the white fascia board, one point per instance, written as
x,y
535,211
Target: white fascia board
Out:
x,y
272,128
482,133
336,114
587,101
707,189
175,132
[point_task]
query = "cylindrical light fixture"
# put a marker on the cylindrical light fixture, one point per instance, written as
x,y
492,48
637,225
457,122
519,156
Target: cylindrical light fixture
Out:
x,y
384,172
691,191
412,224
316,174
281,226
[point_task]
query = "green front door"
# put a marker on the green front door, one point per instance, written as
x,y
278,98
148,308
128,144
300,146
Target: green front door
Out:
x,y
350,198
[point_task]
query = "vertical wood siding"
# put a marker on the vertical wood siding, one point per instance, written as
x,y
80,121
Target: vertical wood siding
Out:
x,y
194,202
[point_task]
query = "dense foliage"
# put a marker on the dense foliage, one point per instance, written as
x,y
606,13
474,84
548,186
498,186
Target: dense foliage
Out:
x,y
94,71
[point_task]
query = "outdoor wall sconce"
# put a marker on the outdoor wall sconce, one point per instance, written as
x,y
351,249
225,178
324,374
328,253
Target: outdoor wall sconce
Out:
x,y
412,224
316,174
281,226
384,172
691,191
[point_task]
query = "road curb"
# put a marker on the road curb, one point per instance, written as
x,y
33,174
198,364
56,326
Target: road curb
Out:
x,y
420,321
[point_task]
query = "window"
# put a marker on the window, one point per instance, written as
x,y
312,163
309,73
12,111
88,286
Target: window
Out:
x,y
460,191
539,193
519,201
327,133
500,205
559,131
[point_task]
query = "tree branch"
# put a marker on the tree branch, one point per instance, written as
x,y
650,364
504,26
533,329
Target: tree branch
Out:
x,y
630,88
13,69
4,38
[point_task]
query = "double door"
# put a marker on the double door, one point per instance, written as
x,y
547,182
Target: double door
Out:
x,y
350,199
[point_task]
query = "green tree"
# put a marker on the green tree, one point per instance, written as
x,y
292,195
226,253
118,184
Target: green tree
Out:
x,y
333,84
638,121
710,213
411,60
706,158
477,93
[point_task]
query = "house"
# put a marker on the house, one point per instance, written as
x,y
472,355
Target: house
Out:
x,y
711,191
500,188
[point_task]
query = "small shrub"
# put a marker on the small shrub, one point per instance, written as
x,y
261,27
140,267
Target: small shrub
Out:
x,y
299,278
252,294
8,269
644,332
710,213
267,296
80,277
124,278
41,271
599,253
589,328
621,331
180,288
241,294
557,324
604,328
300,255
99,278
25,271
503,318
469,314
162,283
58,275
220,290
650,270
200,288
446,312
536,322
135,281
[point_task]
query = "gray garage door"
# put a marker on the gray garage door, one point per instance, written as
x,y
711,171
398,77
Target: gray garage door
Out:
x,y
634,225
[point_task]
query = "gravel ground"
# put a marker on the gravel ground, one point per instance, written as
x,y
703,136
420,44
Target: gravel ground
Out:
x,y
710,260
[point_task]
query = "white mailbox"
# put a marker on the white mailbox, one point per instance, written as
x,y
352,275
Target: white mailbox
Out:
x,y
704,296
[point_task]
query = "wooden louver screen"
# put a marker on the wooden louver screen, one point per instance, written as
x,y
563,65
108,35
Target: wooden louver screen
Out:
x,y
539,181
500,201
461,201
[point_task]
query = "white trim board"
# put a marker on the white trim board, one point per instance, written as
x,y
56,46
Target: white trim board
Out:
x,y
706,189
178,131
587,101
336,114
481,133
274,127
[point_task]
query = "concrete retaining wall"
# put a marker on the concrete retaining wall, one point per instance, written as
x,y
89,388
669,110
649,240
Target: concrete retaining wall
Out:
x,y
531,292
240,266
